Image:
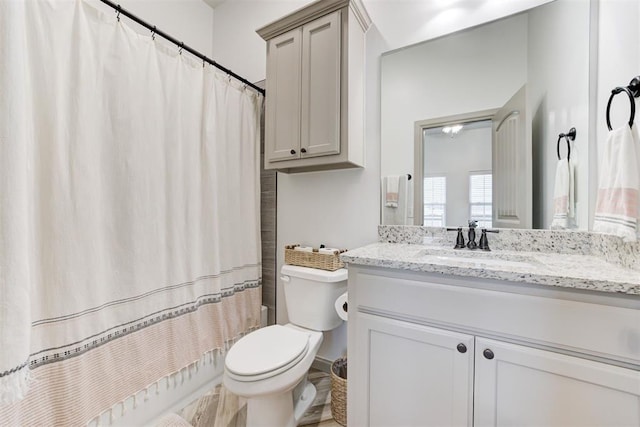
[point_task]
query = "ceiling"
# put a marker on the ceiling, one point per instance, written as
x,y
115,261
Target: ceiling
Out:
x,y
406,22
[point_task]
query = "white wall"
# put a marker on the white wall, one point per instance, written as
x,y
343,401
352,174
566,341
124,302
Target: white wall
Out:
x,y
190,21
236,44
558,99
474,70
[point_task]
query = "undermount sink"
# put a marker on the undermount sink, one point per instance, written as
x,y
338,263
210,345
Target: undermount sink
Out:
x,y
477,258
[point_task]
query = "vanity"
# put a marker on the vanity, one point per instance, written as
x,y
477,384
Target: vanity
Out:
x,y
545,336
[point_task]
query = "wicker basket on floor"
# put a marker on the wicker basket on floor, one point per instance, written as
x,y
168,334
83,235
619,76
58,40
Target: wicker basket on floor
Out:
x,y
339,393
329,262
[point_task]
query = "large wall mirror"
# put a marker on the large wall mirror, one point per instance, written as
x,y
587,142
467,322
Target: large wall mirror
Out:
x,y
448,117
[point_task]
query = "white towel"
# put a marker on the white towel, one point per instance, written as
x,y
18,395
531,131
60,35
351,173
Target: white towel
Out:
x,y
564,203
619,185
392,188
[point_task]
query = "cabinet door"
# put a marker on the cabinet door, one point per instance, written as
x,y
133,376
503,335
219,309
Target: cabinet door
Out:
x,y
282,140
411,375
320,133
529,387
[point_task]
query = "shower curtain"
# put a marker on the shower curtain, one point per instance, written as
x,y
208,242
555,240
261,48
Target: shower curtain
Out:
x,y
129,212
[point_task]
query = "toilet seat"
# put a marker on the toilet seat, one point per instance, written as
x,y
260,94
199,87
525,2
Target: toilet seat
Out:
x,y
266,352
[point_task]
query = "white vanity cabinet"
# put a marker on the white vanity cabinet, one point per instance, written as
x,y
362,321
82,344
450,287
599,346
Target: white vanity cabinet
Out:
x,y
431,350
520,385
413,373
314,115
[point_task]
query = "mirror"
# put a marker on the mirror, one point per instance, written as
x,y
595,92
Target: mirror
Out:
x,y
546,51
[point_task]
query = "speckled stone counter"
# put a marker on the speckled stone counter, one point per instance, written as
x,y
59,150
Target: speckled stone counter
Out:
x,y
575,260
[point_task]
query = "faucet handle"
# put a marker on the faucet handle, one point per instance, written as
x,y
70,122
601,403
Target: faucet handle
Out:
x,y
473,223
484,242
459,238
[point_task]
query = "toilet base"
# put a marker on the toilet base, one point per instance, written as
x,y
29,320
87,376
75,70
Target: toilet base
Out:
x,y
279,409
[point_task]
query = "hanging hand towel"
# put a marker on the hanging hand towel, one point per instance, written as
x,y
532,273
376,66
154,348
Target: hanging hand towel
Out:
x,y
618,185
391,191
561,195
395,213
564,195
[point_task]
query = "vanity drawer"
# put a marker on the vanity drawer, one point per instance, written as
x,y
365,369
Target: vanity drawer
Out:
x,y
604,326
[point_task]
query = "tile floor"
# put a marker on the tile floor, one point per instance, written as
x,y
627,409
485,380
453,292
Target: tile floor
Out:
x,y
220,408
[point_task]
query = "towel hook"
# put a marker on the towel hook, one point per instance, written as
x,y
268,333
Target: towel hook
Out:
x,y
632,91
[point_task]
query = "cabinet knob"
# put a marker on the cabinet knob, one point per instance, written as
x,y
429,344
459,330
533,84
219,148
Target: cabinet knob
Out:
x,y
303,150
462,348
292,151
488,354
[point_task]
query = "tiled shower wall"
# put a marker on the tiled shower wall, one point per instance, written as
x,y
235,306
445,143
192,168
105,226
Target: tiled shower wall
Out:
x,y
268,226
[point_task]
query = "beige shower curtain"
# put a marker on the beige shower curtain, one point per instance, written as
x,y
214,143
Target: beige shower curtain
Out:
x,y
129,211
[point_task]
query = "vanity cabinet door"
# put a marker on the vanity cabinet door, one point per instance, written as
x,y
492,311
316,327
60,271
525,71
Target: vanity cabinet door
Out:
x,y
518,385
411,375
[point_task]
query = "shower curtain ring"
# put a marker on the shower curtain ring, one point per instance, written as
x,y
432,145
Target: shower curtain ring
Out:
x,y
118,11
204,60
181,47
153,33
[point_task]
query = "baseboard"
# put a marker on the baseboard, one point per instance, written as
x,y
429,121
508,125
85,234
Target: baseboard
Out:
x,y
322,364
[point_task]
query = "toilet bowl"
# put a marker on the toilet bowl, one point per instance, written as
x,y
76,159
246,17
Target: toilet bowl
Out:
x,y
269,366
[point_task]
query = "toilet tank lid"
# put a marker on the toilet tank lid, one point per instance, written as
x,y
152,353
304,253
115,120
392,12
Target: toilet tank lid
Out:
x,y
314,273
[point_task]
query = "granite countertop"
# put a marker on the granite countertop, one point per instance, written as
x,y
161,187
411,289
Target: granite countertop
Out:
x,y
575,271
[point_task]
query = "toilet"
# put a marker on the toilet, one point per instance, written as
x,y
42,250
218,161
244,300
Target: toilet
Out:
x,y
269,366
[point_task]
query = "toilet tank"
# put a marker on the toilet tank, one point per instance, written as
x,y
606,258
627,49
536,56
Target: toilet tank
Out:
x,y
311,293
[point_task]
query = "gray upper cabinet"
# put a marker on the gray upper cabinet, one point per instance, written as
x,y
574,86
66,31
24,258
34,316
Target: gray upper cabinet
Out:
x,y
315,87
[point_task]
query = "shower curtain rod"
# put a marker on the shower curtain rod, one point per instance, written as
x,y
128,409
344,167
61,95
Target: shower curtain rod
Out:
x,y
154,31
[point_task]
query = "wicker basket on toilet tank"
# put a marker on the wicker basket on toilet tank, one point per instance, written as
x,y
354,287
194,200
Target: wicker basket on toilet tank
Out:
x,y
322,261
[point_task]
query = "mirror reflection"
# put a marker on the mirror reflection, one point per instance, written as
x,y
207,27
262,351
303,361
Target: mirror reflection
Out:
x,y
459,186
424,87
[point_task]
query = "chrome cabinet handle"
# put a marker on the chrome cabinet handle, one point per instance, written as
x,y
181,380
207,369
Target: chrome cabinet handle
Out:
x,y
488,354
292,151
462,348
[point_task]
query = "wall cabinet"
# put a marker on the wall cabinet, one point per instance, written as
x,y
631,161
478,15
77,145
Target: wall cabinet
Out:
x,y
431,350
314,115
